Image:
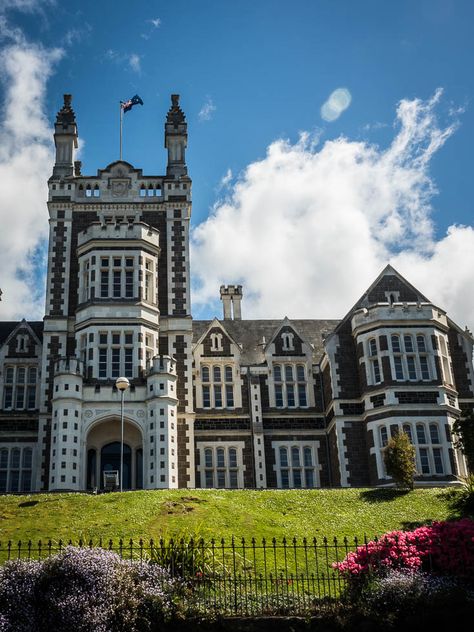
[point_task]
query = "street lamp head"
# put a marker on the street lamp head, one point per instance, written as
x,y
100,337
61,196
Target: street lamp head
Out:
x,y
122,383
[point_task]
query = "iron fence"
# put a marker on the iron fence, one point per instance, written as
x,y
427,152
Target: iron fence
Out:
x,y
238,577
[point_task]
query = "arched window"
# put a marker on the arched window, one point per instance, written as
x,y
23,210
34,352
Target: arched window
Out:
x,y
421,343
434,433
220,466
295,465
420,433
407,430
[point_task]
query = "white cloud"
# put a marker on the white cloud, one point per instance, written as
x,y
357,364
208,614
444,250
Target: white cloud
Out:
x,y
225,180
26,159
338,101
155,24
207,110
134,61
306,230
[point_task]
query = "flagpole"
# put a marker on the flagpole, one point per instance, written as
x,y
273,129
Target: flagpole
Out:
x,y
121,124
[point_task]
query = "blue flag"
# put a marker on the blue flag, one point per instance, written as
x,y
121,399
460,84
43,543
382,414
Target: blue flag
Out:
x,y
127,105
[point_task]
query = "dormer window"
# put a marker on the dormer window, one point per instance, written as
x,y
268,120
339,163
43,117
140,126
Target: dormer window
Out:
x,y
392,297
21,343
216,342
287,340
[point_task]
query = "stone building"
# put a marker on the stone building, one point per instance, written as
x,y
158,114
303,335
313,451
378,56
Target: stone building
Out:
x,y
224,403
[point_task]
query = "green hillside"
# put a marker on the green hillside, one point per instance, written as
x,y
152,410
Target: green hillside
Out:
x,y
217,514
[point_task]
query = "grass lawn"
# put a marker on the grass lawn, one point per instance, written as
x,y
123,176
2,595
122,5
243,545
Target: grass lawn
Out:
x,y
218,514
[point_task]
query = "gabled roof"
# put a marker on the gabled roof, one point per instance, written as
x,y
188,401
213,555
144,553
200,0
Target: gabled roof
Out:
x,y
8,327
253,335
286,322
388,280
213,323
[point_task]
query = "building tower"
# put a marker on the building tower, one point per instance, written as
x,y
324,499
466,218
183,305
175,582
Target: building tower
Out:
x,y
117,303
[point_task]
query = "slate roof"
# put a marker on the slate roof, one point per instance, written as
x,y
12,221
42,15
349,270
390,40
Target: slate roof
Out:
x,y
250,333
7,326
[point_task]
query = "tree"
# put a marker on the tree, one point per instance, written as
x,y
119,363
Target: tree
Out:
x,y
399,458
463,430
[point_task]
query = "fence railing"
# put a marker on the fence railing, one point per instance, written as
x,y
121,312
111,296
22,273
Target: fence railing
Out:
x,y
235,577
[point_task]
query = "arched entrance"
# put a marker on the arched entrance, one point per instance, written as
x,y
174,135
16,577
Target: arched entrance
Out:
x,y
110,461
103,454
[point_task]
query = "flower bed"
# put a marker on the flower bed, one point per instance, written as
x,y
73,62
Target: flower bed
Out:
x,y
446,548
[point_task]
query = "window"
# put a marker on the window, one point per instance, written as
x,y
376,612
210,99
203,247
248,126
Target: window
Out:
x,y
295,465
149,290
290,385
221,465
19,391
16,469
216,342
217,386
373,347
375,371
425,436
447,377
287,341
410,362
116,359
374,365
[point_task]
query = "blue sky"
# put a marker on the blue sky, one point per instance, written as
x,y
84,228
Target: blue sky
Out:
x,y
251,73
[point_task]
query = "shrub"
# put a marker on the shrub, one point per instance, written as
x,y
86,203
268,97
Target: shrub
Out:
x,y
399,458
463,430
84,589
443,547
400,593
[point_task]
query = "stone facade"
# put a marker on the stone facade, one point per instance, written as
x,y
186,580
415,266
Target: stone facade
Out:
x,y
221,403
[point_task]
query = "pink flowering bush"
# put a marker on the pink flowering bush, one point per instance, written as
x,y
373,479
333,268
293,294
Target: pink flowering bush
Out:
x,y
446,548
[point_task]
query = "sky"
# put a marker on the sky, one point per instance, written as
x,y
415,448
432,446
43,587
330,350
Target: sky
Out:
x,y
327,138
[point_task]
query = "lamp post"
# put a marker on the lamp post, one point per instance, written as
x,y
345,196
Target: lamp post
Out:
x,y
122,384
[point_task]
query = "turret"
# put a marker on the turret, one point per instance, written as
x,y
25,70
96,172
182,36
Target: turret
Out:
x,y
176,139
65,140
65,456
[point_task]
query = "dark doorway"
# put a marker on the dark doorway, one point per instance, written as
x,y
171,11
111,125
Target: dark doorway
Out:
x,y
110,460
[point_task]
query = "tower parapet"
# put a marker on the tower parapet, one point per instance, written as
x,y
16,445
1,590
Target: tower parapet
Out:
x,y
176,139
65,140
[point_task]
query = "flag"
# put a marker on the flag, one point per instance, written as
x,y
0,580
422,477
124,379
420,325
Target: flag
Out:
x,y
127,105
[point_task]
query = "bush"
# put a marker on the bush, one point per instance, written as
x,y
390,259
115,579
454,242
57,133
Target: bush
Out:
x,y
400,594
461,500
444,547
463,431
399,458
84,590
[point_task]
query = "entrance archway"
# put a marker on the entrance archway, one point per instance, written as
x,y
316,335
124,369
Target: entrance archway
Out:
x,y
110,460
103,454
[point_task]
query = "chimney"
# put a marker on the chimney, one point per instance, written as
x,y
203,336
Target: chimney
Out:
x,y
231,297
